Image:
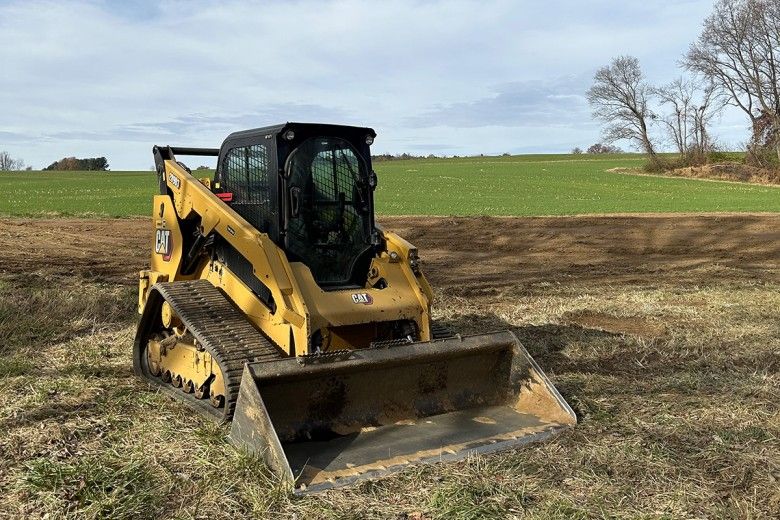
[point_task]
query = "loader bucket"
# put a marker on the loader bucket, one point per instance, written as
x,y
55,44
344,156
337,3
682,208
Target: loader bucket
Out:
x,y
323,424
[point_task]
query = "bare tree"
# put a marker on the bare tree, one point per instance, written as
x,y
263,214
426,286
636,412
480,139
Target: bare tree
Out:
x,y
8,163
739,52
678,95
708,106
620,97
692,108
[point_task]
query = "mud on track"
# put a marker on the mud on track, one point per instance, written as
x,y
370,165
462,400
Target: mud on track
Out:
x,y
459,254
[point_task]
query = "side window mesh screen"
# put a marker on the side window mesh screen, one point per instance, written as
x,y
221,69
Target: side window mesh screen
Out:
x,y
245,173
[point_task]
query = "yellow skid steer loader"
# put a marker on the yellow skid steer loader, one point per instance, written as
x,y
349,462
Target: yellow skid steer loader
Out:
x,y
275,303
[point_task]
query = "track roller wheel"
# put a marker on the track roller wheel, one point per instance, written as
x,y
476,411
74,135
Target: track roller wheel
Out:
x,y
194,343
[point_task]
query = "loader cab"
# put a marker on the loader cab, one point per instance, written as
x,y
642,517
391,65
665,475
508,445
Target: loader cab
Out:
x,y
310,188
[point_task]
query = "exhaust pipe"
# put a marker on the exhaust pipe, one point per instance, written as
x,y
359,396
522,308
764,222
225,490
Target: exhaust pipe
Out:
x,y
323,423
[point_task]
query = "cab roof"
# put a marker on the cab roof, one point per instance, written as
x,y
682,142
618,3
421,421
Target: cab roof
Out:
x,y
308,128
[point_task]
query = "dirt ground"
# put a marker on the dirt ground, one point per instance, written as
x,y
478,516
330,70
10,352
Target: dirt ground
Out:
x,y
461,254
660,331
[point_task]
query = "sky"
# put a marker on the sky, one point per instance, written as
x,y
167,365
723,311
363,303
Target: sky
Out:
x,y
102,78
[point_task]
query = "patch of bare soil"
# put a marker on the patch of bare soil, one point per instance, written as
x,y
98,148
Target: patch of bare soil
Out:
x,y
111,250
460,254
471,256
632,325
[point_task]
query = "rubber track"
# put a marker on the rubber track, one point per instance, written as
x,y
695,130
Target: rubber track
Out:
x,y
223,331
440,331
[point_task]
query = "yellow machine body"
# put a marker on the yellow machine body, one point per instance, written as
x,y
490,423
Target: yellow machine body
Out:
x,y
328,384
301,305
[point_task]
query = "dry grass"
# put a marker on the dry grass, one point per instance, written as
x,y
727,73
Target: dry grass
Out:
x,y
677,420
730,172
722,171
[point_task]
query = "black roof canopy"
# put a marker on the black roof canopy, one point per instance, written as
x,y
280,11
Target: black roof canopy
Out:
x,y
304,128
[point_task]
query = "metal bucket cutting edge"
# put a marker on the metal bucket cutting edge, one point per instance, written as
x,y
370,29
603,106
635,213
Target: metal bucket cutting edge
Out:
x,y
332,424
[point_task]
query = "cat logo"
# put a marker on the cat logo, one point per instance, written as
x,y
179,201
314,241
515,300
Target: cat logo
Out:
x,y
363,298
174,180
163,245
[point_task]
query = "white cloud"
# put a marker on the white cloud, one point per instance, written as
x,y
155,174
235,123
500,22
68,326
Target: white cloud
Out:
x,y
114,78
522,104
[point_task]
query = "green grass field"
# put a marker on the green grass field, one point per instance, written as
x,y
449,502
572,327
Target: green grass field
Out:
x,y
514,185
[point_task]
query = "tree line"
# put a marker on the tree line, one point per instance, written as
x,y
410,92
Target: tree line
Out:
x,y
8,163
72,163
401,157
598,148
735,61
